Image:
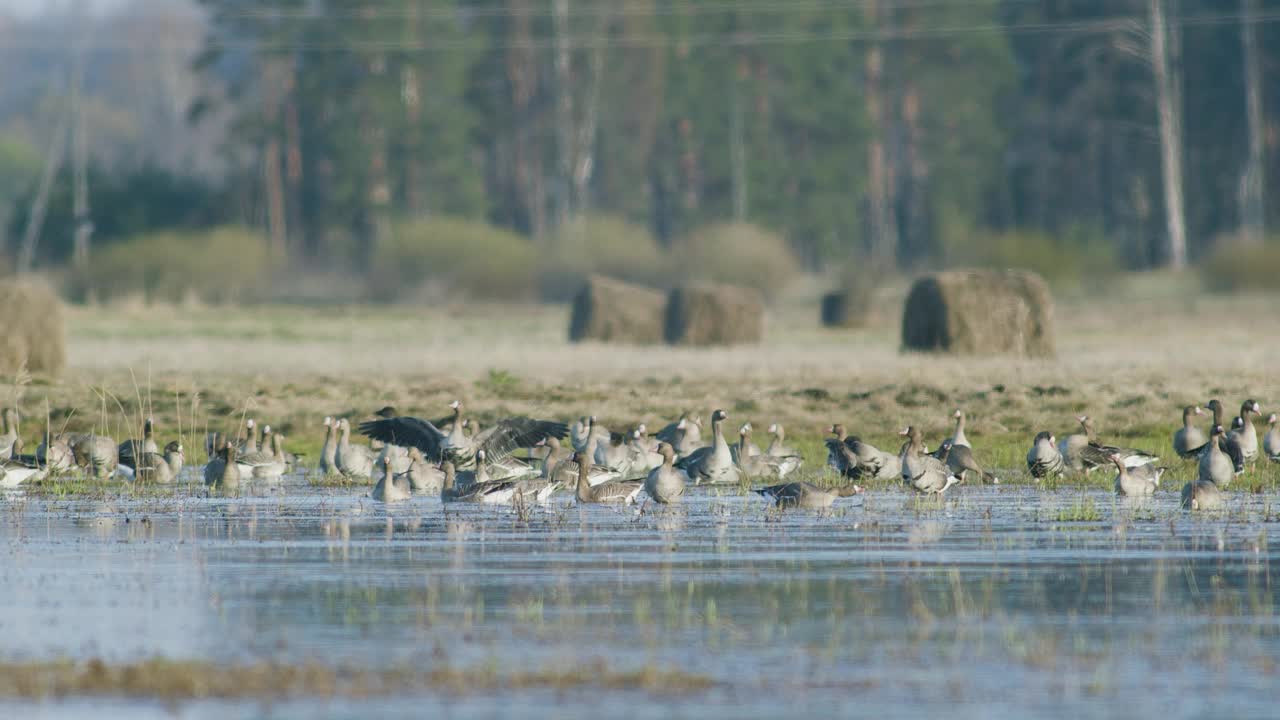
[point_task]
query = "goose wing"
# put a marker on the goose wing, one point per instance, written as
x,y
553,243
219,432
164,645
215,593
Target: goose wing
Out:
x,y
501,439
407,431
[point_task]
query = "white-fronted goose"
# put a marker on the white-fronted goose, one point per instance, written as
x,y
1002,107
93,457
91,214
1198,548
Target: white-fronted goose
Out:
x,y
55,453
1219,418
97,454
353,460
666,483
391,487
16,469
612,451
1271,443
1189,439
1202,495
581,433
494,492
961,461
713,464
250,442
613,491
1215,465
683,435
806,496
1137,482
328,451
744,448
222,472
265,464
565,471
498,440
10,433
130,450
1245,437
752,465
1044,459
158,468
423,476
855,459
777,446
922,472
644,452
1085,453
957,438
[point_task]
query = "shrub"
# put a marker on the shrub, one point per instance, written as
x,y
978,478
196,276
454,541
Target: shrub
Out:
x,y
1076,259
1233,266
736,254
601,245
220,265
449,255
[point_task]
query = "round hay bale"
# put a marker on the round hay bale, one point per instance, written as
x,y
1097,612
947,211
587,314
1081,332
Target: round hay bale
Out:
x,y
980,312
32,327
714,315
845,309
610,310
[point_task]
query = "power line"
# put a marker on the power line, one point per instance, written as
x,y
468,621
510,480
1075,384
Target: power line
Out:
x,y
647,41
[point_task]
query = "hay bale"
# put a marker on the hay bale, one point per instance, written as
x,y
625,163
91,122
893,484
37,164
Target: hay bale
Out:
x,y
714,315
845,309
32,328
980,312
611,310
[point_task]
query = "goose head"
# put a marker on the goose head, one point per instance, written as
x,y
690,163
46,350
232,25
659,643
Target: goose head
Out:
x,y
667,452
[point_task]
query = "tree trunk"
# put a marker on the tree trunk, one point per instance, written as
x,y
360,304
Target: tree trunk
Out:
x,y
526,161
565,131
83,231
585,140
737,143
1252,182
1168,109
35,219
880,202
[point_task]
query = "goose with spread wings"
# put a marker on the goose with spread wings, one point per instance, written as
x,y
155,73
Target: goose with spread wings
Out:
x,y
497,440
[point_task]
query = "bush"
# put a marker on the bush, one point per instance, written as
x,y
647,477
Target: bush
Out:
x,y
1076,259
736,254
225,264
1234,266
601,245
448,255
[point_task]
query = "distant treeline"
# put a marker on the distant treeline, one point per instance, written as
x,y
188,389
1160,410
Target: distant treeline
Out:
x,y
903,132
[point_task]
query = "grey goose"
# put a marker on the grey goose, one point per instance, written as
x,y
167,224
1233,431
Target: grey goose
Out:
x,y
497,440
1189,440
807,496
1044,459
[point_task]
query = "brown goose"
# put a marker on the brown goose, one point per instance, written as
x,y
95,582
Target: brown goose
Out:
x,y
1189,439
423,477
1140,481
744,448
97,454
391,487
222,472
665,483
160,468
328,464
1219,418
352,460
1245,437
129,450
644,454
713,464
491,492
1043,459
1083,453
777,446
922,472
1216,466
960,459
1271,443
1201,495
957,438
613,491
853,458
807,496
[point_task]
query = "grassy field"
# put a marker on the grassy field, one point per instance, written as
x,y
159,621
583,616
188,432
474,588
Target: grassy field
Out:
x,y
1130,358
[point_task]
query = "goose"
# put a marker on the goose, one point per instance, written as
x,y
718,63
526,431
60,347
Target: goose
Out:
x,y
328,464
1219,418
1201,495
665,483
807,496
250,442
1271,443
15,470
129,450
613,491
764,464
924,473
1083,453
712,464
391,487
1136,482
960,459
491,492
55,453
399,457
1246,436
855,459
777,446
645,441
97,454
684,435
222,472
10,435
644,455
1043,459
565,469
957,438
497,440
611,450
556,454
1189,439
1216,466
160,468
352,460
423,476
582,432
265,464
744,447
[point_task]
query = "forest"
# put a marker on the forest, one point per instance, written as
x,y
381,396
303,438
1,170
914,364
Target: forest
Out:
x,y
1064,135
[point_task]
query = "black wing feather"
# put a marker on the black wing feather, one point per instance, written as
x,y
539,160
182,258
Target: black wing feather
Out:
x,y
407,431
507,435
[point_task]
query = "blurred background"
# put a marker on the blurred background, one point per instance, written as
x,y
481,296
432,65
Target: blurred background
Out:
x,y
428,150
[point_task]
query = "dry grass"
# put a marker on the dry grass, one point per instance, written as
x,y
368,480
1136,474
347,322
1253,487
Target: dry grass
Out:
x,y
1131,362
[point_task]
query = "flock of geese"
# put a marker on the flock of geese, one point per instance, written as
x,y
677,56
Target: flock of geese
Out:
x,y
521,459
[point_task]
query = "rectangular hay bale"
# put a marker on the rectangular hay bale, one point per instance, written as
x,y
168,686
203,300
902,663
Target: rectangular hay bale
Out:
x,y
980,312
611,310
714,315
33,327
